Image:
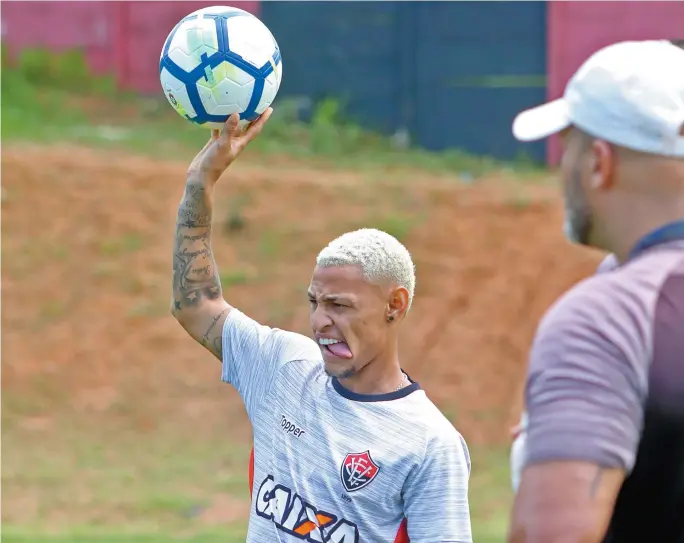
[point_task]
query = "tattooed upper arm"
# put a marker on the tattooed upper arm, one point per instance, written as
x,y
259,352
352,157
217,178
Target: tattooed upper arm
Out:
x,y
197,301
205,325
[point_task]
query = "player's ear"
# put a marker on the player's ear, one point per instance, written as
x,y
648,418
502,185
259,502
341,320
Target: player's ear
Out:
x,y
398,303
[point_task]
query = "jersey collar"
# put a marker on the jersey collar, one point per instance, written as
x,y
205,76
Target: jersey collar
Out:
x,y
355,397
673,231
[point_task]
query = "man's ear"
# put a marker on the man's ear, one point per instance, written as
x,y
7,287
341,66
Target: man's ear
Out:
x,y
398,303
603,160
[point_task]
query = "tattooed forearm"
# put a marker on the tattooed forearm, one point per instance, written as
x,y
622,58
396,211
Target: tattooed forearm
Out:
x,y
195,275
195,208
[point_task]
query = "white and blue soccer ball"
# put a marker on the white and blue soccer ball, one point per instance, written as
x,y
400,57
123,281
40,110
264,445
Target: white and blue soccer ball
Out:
x,y
218,61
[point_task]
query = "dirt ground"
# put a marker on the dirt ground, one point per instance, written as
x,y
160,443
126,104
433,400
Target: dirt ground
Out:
x,y
86,240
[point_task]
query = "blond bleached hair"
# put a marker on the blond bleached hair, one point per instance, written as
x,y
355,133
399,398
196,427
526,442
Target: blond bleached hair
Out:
x,y
380,256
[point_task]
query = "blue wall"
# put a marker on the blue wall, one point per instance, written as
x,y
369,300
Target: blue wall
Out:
x,y
453,73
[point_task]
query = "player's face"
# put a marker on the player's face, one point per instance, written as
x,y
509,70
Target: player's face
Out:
x,y
578,213
348,319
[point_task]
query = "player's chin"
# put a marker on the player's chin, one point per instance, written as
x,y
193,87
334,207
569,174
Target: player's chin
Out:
x,y
335,366
339,373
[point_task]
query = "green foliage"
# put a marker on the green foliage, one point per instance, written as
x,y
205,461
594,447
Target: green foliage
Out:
x,y
234,277
128,243
43,95
66,71
27,108
270,244
398,226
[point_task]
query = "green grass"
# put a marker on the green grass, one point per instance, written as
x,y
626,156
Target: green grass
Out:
x,y
112,483
397,225
229,534
494,533
112,247
234,277
43,94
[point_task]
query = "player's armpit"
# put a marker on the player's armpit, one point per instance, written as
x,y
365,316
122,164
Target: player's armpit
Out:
x,y
564,502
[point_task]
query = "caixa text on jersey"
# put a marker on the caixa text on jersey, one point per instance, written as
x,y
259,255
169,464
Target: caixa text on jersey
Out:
x,y
294,516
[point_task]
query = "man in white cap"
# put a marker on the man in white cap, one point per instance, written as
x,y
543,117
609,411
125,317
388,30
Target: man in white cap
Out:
x,y
603,451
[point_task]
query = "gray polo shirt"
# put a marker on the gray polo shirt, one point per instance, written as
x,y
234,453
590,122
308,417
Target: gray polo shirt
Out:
x,y
605,384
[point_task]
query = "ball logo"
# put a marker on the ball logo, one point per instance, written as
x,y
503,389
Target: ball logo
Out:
x,y
172,98
358,470
209,75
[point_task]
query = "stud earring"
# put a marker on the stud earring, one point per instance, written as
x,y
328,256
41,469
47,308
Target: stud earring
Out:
x,y
390,318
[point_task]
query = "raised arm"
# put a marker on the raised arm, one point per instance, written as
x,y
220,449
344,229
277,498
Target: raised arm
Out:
x,y
197,302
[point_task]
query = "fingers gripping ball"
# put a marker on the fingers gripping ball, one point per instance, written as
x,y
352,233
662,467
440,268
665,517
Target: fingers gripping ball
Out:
x,y
218,61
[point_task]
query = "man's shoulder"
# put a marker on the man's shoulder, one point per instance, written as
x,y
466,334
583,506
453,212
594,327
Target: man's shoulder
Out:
x,y
443,447
609,314
622,293
304,370
629,290
434,425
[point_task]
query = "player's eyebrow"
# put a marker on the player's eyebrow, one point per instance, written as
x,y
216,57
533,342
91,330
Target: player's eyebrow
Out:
x,y
327,297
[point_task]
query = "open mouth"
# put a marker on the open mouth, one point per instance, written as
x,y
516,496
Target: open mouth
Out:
x,y
338,349
327,350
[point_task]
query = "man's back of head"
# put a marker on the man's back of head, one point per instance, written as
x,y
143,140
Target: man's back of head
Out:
x,y
621,121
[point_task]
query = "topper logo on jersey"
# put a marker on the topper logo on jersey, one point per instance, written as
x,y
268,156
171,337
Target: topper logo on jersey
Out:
x,y
294,516
358,470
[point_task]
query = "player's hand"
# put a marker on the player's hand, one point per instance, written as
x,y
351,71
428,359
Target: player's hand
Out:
x,y
224,146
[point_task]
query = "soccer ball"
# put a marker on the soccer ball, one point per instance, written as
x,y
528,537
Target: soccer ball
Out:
x,y
218,61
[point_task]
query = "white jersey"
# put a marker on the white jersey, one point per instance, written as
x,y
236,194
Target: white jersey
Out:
x,y
334,466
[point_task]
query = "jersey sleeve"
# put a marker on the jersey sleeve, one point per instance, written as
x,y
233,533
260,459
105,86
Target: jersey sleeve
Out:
x,y
436,493
517,455
253,353
587,378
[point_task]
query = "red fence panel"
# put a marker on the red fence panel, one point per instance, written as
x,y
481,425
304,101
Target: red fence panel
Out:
x,y
63,25
146,26
125,38
577,29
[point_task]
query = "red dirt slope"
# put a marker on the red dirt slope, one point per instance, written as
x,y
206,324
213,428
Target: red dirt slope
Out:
x,y
86,279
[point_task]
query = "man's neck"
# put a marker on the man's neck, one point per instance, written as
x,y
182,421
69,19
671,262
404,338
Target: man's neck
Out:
x,y
379,376
626,241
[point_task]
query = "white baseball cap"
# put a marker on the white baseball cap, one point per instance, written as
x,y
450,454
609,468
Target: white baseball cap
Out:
x,y
630,93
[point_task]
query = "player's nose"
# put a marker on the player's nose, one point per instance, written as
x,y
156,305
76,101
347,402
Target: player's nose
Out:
x,y
319,320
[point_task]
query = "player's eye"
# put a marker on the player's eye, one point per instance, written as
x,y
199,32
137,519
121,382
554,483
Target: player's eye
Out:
x,y
312,301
